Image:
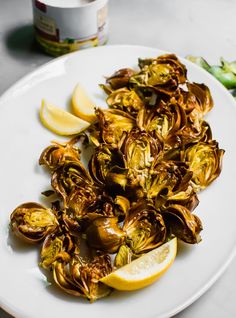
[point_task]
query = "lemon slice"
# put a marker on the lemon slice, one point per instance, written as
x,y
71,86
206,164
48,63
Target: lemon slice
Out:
x,y
144,270
60,121
81,104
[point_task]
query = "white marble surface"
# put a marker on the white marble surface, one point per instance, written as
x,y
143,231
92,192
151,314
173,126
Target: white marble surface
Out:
x,y
197,27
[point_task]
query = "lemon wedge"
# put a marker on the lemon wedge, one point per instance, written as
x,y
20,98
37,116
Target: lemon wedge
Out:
x,y
81,104
60,121
144,270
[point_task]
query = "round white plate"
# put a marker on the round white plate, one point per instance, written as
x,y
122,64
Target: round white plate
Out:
x,y
24,291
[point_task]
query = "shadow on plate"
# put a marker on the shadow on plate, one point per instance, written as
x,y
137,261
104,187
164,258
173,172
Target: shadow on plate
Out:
x,y
18,245
185,249
115,296
60,294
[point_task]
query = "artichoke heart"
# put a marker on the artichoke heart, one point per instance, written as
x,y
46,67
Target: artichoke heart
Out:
x,y
140,149
144,227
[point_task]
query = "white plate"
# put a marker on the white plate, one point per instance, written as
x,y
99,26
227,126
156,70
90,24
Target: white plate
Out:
x,y
24,291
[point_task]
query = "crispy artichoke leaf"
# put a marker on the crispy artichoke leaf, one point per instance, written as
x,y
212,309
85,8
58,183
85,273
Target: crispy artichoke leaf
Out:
x,y
182,223
106,88
63,278
156,77
191,134
166,120
122,206
57,154
203,96
197,98
187,198
32,222
116,178
89,273
103,206
56,248
120,78
202,103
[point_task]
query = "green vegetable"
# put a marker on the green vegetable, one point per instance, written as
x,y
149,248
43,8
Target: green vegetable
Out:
x,y
227,78
225,72
200,61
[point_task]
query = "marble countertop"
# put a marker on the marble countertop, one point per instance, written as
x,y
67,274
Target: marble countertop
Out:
x,y
196,27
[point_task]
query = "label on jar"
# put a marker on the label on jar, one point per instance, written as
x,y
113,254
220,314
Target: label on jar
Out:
x,y
62,30
45,24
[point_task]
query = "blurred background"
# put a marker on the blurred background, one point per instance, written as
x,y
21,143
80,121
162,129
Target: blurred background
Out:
x,y
197,27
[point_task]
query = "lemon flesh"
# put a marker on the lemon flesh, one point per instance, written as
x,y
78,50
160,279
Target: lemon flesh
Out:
x,y
60,121
81,104
144,270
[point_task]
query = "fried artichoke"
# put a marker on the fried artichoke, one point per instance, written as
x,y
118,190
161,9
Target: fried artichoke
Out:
x,y
56,247
169,180
107,167
144,227
79,277
69,177
161,75
182,223
113,124
125,100
205,161
32,222
139,149
57,154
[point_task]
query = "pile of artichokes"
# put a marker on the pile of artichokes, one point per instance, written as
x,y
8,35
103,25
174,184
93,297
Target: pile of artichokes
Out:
x,y
153,152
